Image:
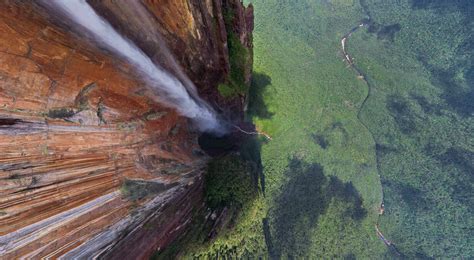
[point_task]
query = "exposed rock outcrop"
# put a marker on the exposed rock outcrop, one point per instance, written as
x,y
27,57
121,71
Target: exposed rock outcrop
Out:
x,y
76,122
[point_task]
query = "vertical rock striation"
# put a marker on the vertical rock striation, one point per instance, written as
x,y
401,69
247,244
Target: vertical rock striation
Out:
x,y
90,165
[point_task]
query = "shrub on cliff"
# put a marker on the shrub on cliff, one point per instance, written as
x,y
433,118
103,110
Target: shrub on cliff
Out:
x,y
240,59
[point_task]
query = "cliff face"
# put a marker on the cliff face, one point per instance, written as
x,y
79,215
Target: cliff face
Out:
x,y
196,34
89,164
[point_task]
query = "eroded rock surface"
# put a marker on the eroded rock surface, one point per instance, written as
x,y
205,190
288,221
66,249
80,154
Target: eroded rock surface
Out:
x,y
76,122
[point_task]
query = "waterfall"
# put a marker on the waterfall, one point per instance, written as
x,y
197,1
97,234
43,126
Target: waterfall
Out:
x,y
172,92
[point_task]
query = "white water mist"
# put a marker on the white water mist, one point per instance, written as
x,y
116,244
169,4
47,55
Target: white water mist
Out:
x,y
171,90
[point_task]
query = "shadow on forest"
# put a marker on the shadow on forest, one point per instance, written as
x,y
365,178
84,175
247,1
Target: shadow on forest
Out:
x,y
320,140
459,163
250,152
402,113
387,32
458,97
463,5
323,138
257,107
302,200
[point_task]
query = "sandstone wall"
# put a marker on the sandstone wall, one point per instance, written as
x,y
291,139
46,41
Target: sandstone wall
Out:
x,y
75,122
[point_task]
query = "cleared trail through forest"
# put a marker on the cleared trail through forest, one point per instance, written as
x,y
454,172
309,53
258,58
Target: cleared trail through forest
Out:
x,y
253,133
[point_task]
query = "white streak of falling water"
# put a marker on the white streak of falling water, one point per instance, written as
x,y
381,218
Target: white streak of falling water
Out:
x,y
171,89
143,17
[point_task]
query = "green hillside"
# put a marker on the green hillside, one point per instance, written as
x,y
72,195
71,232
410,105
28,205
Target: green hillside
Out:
x,y
322,188
417,57
420,111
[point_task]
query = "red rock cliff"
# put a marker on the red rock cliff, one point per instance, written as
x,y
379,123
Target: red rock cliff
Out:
x,y
90,165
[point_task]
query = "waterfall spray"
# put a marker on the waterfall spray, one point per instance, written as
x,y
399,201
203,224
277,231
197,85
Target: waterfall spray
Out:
x,y
172,92
139,13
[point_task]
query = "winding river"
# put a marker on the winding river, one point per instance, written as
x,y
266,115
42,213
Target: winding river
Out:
x,y
361,75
